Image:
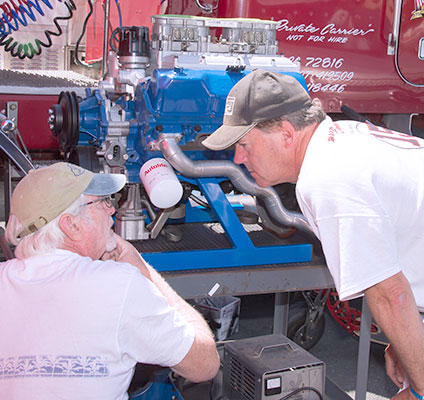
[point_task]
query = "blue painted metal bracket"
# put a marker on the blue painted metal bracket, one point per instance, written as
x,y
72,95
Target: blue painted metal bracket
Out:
x,y
244,252
225,213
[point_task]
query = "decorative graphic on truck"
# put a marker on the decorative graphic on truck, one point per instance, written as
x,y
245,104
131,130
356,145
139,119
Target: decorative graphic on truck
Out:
x,y
419,10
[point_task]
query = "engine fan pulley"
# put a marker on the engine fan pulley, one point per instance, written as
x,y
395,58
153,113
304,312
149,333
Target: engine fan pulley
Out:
x,y
64,121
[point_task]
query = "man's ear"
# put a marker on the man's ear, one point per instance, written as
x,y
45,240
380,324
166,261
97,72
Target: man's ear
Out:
x,y
70,226
288,133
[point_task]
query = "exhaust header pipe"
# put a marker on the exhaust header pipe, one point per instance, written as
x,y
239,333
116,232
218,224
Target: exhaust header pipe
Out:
x,y
227,169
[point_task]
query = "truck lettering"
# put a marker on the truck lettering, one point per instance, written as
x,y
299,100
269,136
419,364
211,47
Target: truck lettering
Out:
x,y
316,38
294,37
331,28
283,25
337,39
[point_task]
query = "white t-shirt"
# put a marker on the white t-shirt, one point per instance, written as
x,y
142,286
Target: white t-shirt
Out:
x,y
74,328
361,188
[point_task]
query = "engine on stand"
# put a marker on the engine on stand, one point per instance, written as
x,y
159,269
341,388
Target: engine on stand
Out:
x,y
160,98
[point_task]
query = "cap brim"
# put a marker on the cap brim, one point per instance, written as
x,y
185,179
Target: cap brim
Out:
x,y
226,136
105,184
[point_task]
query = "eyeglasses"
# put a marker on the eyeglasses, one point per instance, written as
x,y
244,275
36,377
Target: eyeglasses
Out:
x,y
107,200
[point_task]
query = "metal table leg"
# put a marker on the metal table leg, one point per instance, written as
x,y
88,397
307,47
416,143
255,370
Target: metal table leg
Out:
x,y
281,313
364,352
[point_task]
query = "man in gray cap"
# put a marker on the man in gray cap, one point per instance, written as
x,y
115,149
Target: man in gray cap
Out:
x,y
361,188
79,307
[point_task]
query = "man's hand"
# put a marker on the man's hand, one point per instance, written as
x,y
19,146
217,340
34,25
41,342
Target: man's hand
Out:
x,y
201,362
404,394
394,309
126,252
393,368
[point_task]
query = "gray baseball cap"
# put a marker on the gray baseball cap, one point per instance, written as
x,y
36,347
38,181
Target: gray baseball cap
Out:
x,y
258,97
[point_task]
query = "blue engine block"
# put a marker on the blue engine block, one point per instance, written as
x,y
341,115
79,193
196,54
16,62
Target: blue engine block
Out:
x,y
183,102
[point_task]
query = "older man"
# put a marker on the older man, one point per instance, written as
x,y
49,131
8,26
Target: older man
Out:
x,y
361,188
78,305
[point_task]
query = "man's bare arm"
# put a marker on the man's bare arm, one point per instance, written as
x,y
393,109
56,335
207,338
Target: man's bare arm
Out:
x,y
202,361
393,306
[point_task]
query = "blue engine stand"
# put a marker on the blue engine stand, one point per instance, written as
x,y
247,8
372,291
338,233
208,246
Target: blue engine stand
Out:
x,y
243,251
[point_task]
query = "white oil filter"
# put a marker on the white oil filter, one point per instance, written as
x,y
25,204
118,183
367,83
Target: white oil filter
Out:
x,y
161,184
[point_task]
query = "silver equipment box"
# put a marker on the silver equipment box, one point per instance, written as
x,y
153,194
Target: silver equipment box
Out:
x,y
269,368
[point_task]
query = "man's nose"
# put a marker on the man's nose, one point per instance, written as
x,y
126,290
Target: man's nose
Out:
x,y
111,210
239,155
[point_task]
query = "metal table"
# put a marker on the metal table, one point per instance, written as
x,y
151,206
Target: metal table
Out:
x,y
252,280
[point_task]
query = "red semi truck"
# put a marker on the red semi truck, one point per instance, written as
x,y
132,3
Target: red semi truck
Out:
x,y
367,54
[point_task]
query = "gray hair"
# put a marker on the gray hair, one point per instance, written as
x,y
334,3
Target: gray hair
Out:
x,y
299,119
45,239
